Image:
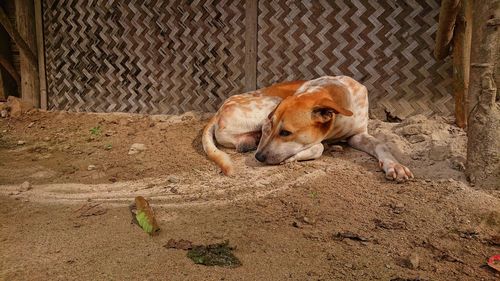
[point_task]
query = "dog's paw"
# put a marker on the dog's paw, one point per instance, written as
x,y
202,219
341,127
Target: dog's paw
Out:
x,y
396,171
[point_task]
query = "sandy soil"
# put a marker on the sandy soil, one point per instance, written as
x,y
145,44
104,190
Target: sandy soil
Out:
x,y
71,220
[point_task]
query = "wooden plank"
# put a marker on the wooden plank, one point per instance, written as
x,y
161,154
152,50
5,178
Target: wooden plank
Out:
x,y
461,62
5,63
41,54
251,28
25,21
17,38
447,15
9,78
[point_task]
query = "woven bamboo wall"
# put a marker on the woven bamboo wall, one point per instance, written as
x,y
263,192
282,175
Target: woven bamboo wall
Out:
x,y
143,56
386,45
174,56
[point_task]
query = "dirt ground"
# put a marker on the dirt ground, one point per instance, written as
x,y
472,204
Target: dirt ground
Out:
x,y
66,180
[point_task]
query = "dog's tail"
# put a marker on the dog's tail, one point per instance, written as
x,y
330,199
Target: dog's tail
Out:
x,y
219,157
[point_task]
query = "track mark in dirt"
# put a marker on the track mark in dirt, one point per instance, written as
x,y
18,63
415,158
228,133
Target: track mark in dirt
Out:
x,y
253,182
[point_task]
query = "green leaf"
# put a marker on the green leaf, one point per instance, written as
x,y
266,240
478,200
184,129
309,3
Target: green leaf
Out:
x,y
143,221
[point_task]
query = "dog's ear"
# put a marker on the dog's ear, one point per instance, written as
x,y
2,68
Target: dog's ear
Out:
x,y
271,113
324,110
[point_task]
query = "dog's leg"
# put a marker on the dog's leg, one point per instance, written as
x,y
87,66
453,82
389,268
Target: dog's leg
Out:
x,y
371,145
247,142
314,152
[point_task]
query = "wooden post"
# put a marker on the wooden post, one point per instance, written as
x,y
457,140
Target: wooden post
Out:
x,y
25,21
461,61
447,15
41,54
483,134
251,28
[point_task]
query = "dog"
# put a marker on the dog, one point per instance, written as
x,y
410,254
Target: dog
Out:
x,y
288,121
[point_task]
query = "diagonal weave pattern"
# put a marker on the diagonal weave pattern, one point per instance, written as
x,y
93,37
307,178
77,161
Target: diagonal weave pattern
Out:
x,y
387,45
151,56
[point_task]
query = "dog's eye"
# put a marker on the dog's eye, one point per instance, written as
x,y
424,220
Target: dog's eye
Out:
x,y
285,133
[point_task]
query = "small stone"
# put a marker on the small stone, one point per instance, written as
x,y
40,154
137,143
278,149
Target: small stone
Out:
x,y
173,179
31,124
25,186
415,119
416,138
46,138
457,163
417,156
17,106
136,148
296,224
414,260
4,113
307,220
413,129
21,142
336,148
91,167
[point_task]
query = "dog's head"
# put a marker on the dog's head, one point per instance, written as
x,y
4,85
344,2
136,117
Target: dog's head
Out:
x,y
297,123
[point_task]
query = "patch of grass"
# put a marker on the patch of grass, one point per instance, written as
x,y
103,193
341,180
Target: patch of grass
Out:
x,y
95,131
215,254
314,194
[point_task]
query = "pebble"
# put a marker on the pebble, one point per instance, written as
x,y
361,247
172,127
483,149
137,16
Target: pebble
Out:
x,y
414,260
336,148
308,220
46,138
136,148
31,124
416,138
173,179
91,167
25,186
21,142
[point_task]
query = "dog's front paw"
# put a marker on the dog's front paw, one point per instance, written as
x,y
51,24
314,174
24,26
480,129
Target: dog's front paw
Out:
x,y
395,171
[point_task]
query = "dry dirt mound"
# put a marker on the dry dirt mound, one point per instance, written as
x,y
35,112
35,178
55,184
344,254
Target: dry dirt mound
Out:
x,y
176,169
335,218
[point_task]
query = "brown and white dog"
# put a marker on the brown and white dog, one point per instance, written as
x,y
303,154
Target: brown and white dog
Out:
x,y
288,121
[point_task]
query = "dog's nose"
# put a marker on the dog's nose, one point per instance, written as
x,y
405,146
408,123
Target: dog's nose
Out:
x,y
260,156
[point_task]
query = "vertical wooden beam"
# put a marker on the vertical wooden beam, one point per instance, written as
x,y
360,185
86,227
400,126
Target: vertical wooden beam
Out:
x,y
447,15
25,22
251,28
483,133
41,54
461,61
